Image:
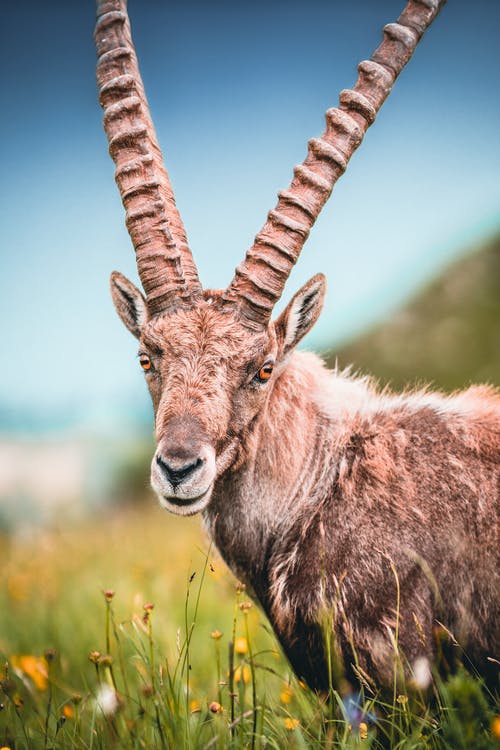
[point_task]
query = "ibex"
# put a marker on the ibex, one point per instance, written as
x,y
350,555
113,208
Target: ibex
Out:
x,y
322,494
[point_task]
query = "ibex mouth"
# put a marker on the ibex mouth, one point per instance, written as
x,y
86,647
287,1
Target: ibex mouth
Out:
x,y
186,506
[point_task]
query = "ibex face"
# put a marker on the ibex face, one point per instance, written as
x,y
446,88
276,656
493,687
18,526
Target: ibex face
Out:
x,y
209,376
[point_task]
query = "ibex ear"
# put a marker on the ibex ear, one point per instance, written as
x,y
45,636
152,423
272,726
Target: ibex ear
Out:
x,y
129,302
301,313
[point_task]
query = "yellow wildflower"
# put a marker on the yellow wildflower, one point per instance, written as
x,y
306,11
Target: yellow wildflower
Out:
x,y
34,667
286,695
363,730
291,724
216,635
495,727
194,706
241,645
68,711
242,674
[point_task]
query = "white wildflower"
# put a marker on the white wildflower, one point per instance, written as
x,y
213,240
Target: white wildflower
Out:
x,y
422,675
107,700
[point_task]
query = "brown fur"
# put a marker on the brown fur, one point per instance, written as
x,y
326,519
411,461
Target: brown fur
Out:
x,y
327,495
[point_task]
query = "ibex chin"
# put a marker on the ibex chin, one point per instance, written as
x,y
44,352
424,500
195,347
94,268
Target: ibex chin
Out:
x,y
330,500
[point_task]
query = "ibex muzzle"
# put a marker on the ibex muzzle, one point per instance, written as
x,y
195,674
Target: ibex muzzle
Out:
x,y
183,467
322,494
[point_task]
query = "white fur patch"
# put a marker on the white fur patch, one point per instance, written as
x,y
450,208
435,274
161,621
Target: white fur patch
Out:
x,y
340,393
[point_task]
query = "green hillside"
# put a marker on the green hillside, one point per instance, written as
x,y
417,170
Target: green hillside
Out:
x,y
448,335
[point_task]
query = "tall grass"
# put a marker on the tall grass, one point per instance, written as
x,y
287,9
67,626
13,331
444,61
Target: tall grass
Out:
x,y
118,635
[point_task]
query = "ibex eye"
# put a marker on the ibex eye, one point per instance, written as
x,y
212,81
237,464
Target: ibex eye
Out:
x,y
265,372
145,362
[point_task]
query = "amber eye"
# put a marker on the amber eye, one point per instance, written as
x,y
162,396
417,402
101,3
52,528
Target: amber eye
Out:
x,y
265,372
145,362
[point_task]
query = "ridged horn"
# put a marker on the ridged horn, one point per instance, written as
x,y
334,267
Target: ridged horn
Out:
x,y
259,280
165,264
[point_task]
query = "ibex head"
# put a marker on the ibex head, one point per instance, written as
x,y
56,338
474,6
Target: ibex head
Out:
x,y
209,374
211,358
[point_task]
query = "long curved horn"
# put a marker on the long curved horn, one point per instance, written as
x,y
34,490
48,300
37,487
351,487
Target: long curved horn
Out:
x,y
166,266
259,280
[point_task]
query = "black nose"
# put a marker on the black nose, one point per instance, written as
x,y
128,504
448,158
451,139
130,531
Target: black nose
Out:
x,y
180,473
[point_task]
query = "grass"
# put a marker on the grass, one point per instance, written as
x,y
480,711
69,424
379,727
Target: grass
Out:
x,y
129,632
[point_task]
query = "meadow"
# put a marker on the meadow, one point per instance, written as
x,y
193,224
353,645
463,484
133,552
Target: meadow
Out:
x,y
128,631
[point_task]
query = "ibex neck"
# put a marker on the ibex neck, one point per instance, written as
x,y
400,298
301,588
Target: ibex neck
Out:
x,y
279,464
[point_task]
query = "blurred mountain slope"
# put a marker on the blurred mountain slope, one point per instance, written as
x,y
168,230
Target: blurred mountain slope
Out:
x,y
448,335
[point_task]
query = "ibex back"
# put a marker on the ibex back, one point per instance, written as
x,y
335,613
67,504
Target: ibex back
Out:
x,y
323,496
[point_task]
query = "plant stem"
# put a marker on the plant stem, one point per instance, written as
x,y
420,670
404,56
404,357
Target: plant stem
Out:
x,y
254,687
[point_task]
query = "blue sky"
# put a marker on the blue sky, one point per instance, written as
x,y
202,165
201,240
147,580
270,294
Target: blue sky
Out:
x,y
236,90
